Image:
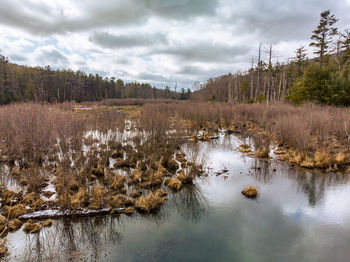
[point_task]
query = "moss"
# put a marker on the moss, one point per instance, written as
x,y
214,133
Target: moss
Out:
x,y
250,192
31,227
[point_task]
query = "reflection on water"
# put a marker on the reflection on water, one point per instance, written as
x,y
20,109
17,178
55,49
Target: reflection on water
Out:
x,y
299,216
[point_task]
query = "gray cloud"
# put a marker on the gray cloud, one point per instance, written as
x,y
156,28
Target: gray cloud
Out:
x,y
204,52
52,57
42,19
200,72
276,21
126,41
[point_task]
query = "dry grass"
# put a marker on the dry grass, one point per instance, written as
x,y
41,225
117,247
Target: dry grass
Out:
x,y
322,159
150,203
174,184
128,211
120,201
98,197
245,148
14,225
47,223
135,193
3,223
7,196
118,182
3,248
80,199
263,153
250,192
31,227
14,211
186,176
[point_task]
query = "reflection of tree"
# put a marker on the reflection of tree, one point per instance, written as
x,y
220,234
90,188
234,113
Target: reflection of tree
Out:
x,y
70,240
190,203
262,170
314,184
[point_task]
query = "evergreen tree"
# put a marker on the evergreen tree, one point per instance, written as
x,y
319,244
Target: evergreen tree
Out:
x,y
345,45
322,35
301,59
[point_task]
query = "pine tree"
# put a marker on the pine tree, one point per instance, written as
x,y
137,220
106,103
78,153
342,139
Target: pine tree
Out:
x,y
322,35
301,58
345,44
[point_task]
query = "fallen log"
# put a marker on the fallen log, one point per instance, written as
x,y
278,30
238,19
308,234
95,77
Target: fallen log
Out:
x,y
54,213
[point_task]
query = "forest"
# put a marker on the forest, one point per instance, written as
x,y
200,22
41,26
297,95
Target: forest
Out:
x,y
323,79
43,84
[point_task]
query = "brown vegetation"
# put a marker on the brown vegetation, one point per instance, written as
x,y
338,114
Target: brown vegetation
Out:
x,y
3,248
149,203
14,225
250,192
101,159
14,211
31,227
47,223
174,184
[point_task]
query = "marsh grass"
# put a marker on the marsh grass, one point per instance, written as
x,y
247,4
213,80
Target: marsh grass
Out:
x,y
134,149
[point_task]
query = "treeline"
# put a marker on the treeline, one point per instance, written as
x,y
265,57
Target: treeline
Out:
x,y
43,84
324,79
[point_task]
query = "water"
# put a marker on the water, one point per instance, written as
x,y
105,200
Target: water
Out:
x,y
298,216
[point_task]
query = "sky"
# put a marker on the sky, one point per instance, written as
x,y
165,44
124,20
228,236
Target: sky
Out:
x,y
162,42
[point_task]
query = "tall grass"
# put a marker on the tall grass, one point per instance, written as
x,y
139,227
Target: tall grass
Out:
x,y
307,127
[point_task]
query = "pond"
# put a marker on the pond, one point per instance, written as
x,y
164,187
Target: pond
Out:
x,y
300,215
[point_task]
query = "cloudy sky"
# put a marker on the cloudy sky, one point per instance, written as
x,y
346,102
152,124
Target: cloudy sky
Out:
x,y
158,41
